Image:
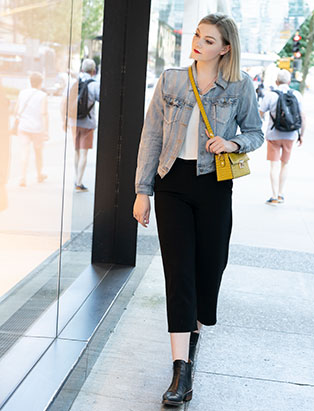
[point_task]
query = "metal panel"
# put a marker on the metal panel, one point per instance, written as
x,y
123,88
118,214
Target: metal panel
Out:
x,y
47,376
19,361
70,301
44,364
90,315
123,73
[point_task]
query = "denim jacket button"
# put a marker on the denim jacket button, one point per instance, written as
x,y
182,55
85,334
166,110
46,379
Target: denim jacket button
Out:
x,y
201,170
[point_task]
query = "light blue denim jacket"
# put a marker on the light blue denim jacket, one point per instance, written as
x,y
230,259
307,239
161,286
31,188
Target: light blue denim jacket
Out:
x,y
227,105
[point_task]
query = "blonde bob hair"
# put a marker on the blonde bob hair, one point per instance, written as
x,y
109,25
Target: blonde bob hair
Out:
x,y
229,64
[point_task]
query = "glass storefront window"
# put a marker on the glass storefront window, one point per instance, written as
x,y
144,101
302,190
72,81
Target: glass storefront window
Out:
x,y
45,218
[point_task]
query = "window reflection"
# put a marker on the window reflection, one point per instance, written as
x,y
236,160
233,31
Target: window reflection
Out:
x,y
4,147
41,51
31,126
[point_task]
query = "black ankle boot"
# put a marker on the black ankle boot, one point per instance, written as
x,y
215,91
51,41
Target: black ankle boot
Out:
x,y
193,344
181,386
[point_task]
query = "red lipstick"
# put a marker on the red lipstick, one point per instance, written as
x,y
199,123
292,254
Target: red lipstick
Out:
x,y
196,51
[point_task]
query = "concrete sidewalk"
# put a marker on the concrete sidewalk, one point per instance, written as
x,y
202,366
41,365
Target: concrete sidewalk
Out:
x,y
260,354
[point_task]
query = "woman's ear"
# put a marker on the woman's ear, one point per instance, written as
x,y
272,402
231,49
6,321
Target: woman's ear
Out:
x,y
225,50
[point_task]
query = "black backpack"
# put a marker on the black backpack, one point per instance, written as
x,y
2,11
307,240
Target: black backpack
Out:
x,y
78,100
288,117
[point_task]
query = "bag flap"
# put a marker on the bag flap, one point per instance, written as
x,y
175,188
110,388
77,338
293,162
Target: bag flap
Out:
x,y
236,158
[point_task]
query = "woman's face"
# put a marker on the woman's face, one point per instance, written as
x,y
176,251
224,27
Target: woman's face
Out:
x,y
207,43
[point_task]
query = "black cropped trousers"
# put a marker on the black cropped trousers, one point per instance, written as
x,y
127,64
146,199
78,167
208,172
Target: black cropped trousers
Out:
x,y
194,220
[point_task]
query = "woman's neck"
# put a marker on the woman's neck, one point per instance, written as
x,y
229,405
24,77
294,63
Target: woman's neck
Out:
x,y
206,70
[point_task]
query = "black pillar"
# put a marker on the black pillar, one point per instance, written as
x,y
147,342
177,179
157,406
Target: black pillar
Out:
x,y
123,74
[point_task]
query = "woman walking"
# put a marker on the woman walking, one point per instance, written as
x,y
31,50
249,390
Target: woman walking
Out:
x,y
193,210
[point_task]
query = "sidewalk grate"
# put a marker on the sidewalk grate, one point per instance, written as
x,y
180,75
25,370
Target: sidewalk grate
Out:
x,y
19,322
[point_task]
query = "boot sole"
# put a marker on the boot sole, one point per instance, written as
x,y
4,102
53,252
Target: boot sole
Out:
x,y
187,397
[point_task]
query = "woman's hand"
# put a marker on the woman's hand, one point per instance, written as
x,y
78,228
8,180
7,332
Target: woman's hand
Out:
x,y
219,145
141,209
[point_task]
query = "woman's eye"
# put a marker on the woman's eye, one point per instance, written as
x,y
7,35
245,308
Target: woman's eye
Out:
x,y
209,42
196,34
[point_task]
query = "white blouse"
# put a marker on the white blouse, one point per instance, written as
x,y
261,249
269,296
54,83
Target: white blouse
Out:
x,y
31,109
189,148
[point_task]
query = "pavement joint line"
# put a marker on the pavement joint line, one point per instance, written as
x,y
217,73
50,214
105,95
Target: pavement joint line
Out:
x,y
256,378
267,247
226,325
270,269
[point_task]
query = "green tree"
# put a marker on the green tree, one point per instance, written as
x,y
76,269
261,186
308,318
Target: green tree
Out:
x,y
308,60
92,18
306,47
49,21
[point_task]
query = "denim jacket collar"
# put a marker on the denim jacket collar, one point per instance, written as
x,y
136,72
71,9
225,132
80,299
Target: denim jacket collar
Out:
x,y
220,81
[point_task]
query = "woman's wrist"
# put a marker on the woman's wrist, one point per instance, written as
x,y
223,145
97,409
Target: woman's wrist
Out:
x,y
232,147
235,147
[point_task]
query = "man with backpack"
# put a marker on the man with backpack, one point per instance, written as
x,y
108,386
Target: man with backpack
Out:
x,y
286,125
82,117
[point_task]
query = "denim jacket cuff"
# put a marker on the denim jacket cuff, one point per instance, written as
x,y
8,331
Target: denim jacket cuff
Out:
x,y
144,189
238,141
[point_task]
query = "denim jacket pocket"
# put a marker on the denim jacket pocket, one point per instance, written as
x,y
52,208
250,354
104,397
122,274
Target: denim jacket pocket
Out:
x,y
172,108
223,109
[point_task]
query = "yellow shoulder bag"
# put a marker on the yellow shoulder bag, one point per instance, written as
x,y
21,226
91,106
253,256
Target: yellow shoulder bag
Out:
x,y
228,165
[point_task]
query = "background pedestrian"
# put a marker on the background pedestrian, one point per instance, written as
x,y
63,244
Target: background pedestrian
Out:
x,y
83,128
32,110
280,143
